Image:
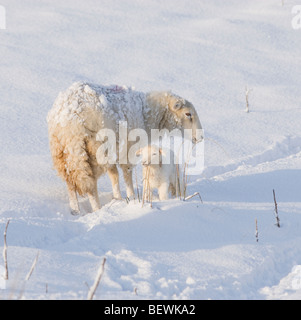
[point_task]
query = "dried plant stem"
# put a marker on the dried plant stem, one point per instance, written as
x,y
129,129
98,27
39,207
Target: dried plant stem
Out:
x,y
247,100
100,273
185,181
256,232
5,252
147,192
144,187
148,189
178,183
276,210
194,195
32,267
138,193
28,276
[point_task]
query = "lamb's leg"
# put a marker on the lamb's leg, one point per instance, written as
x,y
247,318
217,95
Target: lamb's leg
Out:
x,y
74,206
163,191
94,199
128,178
114,177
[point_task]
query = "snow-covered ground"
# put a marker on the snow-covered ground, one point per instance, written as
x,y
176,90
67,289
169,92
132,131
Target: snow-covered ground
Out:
x,y
205,51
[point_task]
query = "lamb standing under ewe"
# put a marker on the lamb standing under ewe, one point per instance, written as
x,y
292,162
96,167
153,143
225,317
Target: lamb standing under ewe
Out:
x,y
80,112
157,172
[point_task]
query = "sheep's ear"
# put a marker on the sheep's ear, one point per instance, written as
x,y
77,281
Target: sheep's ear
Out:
x,y
177,105
138,153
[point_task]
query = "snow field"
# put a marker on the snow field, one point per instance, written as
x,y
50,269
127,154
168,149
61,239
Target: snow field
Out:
x,y
205,51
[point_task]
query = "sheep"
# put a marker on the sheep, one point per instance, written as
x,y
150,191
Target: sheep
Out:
x,y
79,113
159,172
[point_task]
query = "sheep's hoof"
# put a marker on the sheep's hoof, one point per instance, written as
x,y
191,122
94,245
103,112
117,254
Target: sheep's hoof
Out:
x,y
116,197
74,212
129,199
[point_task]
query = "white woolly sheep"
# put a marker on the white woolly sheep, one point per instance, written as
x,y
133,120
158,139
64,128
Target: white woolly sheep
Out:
x,y
80,112
159,171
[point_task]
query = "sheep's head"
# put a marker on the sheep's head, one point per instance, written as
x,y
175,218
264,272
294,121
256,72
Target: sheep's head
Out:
x,y
187,116
150,155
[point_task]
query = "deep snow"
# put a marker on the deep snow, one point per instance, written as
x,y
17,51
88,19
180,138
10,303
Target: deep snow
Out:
x,y
205,51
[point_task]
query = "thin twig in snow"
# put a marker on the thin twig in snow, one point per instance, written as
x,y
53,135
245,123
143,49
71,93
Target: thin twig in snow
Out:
x,y
97,280
138,193
247,100
5,252
32,267
178,183
276,210
256,233
28,276
194,195
147,195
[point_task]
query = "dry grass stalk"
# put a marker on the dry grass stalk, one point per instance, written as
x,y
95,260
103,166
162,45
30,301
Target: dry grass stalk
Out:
x,y
185,180
100,273
276,210
178,183
138,193
247,100
182,178
5,252
256,232
194,195
185,176
147,192
28,276
32,267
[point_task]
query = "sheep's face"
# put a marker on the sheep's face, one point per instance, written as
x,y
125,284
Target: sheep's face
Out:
x,y
150,155
187,116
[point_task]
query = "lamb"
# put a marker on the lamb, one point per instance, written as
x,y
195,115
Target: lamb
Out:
x,y
159,172
80,112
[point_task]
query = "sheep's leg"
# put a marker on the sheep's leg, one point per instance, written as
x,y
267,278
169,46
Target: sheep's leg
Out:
x,y
94,199
163,191
173,190
128,178
74,206
114,177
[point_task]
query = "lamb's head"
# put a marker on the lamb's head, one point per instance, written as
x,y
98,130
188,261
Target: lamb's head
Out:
x,y
150,155
186,115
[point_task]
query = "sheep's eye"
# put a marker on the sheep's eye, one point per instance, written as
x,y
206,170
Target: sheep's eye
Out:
x,y
188,115
154,154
